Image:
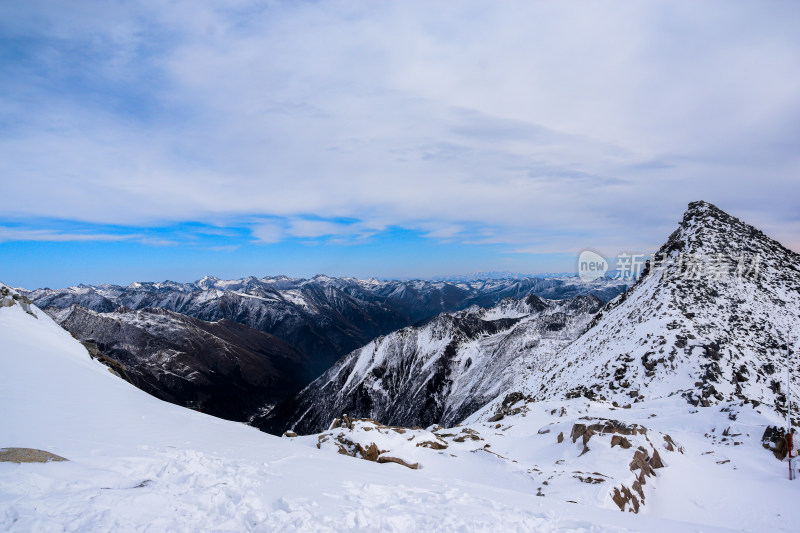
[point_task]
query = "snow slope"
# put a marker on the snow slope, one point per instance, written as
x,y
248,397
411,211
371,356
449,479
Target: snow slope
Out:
x,y
139,464
715,472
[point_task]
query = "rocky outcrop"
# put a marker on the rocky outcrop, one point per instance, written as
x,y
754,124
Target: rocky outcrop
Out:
x,y
9,297
775,440
353,437
626,489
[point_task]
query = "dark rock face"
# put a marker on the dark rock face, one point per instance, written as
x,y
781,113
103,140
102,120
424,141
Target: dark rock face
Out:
x,y
775,440
439,371
322,317
222,368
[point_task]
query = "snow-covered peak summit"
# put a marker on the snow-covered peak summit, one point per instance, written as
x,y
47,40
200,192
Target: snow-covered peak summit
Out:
x,y
707,320
708,231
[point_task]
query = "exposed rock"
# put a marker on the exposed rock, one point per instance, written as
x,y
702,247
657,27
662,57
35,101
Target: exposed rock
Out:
x,y
774,440
387,459
434,445
603,428
9,297
655,461
619,440
371,453
467,434
589,479
28,455
625,499
641,462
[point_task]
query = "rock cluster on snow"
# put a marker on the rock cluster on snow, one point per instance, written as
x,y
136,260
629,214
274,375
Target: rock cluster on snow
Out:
x,y
9,297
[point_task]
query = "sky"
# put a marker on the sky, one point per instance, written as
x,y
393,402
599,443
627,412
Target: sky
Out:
x,y
172,140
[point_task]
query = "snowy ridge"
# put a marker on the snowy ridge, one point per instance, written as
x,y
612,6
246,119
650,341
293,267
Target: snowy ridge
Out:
x,y
439,372
707,338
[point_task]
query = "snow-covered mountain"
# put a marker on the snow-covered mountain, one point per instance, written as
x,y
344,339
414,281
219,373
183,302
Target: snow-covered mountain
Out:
x,y
134,463
439,372
551,453
226,369
323,317
215,359
708,321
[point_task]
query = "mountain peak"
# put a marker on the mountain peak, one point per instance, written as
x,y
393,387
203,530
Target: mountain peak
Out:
x,y
706,215
707,230
707,321
701,206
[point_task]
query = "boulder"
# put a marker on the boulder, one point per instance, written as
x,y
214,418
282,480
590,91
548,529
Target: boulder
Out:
x,y
434,445
622,442
387,459
28,455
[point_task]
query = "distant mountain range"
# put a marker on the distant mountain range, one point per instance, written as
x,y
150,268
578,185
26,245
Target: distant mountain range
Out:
x,y
141,327
498,274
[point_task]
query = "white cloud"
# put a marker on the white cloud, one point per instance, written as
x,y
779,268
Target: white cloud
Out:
x,y
19,234
268,233
315,228
535,124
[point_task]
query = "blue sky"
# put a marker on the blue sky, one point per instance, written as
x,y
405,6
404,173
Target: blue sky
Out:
x,y
152,140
